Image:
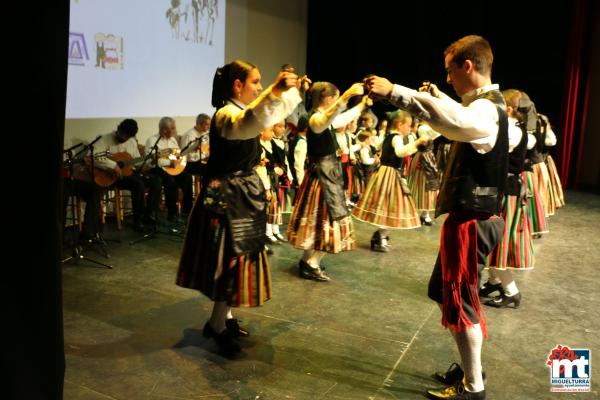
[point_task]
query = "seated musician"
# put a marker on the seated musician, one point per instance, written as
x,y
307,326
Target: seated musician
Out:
x,y
168,165
195,143
121,165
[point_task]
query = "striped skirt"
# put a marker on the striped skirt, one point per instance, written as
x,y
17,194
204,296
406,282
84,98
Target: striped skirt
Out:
x,y
311,228
556,190
515,249
273,211
284,200
535,205
384,204
356,186
542,177
424,200
208,264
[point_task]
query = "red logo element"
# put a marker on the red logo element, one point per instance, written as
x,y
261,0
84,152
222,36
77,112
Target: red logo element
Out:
x,y
561,353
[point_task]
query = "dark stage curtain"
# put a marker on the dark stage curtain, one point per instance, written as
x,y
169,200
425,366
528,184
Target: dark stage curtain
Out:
x,y
576,96
33,347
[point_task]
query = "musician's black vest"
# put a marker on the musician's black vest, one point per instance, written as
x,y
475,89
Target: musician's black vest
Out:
x,y
474,181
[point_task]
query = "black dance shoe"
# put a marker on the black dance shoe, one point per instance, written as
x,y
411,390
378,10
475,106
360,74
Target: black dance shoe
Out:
x,y
489,288
315,274
456,392
280,237
505,301
426,221
268,250
235,329
453,375
225,341
377,243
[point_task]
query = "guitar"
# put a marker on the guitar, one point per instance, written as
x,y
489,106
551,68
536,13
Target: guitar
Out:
x,y
80,167
126,163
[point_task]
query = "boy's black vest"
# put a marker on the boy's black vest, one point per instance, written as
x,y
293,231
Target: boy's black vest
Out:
x,y
474,181
388,154
539,152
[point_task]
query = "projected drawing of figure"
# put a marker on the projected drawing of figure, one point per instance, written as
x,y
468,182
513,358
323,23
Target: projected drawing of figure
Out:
x,y
100,54
174,16
211,7
196,19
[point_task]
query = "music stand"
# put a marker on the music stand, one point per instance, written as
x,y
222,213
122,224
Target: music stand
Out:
x,y
77,253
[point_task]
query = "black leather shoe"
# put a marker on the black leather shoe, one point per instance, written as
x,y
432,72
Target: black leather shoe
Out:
x,y
426,221
489,288
505,301
280,237
227,345
268,250
308,272
456,392
235,329
453,375
377,245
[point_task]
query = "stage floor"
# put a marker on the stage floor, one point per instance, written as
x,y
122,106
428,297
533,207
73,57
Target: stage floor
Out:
x,y
370,333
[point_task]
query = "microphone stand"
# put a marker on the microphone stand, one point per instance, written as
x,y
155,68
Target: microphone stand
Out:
x,y
151,235
77,253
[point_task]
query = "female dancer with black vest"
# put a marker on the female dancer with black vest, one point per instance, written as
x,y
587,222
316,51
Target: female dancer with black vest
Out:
x,y
320,221
224,249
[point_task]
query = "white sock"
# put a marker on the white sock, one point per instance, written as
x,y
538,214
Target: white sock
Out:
x,y
469,343
269,230
494,277
275,229
229,314
218,316
508,283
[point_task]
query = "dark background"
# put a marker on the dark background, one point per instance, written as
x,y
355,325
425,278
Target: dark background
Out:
x,y
405,41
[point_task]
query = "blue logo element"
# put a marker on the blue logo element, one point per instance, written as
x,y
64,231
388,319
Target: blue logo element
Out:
x,y
78,53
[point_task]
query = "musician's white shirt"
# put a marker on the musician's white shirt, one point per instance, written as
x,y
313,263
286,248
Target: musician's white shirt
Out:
x,y
109,142
189,136
163,143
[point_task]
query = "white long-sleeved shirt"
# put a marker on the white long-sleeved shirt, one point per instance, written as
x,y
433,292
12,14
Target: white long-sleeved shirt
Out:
x,y
300,158
237,121
334,116
401,149
109,142
514,134
193,153
475,123
163,143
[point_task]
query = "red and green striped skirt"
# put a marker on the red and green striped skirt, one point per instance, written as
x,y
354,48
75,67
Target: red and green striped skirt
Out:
x,y
384,204
311,227
535,205
515,249
424,200
556,191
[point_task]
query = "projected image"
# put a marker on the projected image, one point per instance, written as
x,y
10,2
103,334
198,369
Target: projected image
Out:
x,y
193,20
143,58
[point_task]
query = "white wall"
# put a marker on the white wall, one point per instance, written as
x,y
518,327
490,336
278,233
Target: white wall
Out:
x,y
267,33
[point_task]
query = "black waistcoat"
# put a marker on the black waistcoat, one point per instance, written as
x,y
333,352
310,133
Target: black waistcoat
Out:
x,y
474,181
388,154
516,164
320,144
228,156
